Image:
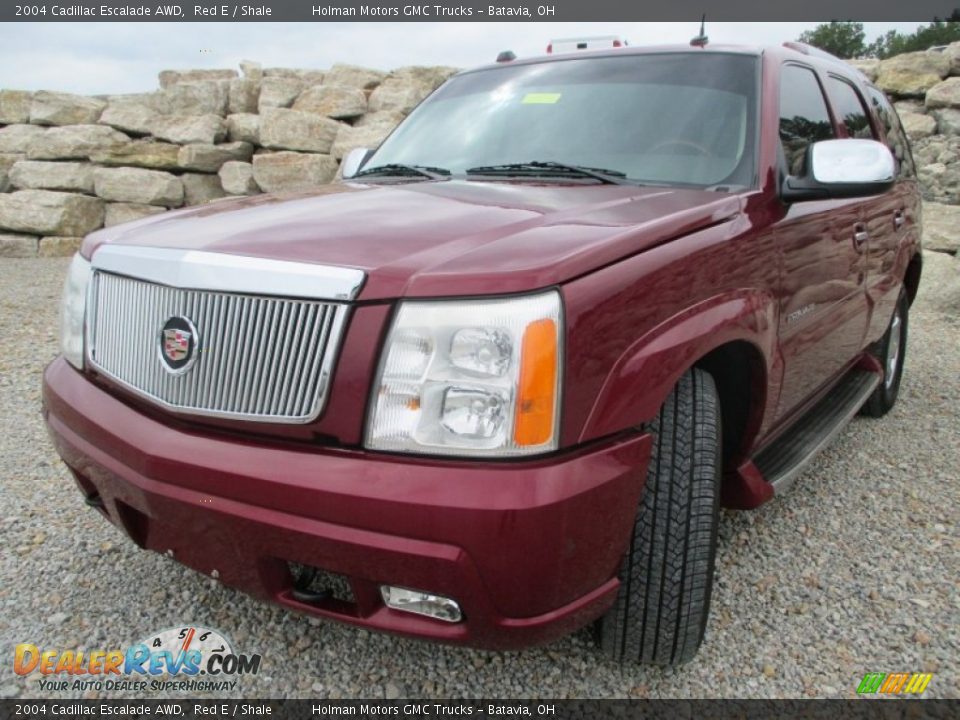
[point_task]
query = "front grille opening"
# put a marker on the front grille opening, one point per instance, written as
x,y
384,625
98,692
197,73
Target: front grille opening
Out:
x,y
313,585
246,357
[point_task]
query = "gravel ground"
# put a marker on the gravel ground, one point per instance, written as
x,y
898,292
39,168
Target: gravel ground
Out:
x,y
855,570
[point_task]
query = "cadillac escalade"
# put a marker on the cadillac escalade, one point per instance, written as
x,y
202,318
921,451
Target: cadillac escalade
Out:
x,y
494,385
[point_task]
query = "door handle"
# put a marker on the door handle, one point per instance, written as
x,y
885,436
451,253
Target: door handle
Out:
x,y
860,236
898,219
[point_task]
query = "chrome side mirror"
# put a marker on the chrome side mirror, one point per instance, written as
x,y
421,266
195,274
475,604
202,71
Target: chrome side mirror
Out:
x,y
843,168
354,161
834,162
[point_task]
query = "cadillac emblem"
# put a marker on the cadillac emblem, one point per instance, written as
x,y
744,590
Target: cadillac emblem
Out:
x,y
178,345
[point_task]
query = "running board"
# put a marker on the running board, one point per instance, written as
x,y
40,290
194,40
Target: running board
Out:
x,y
789,455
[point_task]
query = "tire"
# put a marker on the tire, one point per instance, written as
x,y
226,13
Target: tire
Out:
x,y
890,351
660,614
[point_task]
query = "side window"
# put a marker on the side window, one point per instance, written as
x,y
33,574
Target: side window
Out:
x,y
849,108
896,138
804,118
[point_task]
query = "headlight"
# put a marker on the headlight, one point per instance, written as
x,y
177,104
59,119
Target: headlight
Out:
x,y
73,309
472,377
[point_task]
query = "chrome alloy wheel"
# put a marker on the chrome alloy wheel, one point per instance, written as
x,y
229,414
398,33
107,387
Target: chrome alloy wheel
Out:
x,y
893,348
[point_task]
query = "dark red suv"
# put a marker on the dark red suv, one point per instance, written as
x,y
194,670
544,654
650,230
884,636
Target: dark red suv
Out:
x,y
494,386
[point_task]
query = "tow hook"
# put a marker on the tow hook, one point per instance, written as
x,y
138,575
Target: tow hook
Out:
x,y
94,501
302,591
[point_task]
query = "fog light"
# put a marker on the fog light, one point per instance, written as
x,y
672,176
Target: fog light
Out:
x,y
421,603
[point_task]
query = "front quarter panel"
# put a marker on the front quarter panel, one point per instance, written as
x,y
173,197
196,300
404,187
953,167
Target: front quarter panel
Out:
x,y
635,327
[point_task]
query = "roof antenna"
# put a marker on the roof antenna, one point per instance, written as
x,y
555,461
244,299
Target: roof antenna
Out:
x,y
701,40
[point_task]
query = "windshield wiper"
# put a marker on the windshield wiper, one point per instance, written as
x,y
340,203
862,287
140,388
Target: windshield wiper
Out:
x,y
542,168
395,169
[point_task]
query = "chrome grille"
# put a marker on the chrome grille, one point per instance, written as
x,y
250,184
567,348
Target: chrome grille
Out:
x,y
260,358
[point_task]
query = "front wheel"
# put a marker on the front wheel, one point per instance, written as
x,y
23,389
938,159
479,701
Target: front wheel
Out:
x,y
890,352
661,611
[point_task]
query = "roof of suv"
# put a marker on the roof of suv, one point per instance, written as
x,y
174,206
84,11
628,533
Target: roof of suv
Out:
x,y
795,51
630,50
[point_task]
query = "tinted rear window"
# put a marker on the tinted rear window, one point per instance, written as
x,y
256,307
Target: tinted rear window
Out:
x,y
896,138
849,108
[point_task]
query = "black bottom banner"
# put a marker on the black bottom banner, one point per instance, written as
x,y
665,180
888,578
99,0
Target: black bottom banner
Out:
x,y
873,709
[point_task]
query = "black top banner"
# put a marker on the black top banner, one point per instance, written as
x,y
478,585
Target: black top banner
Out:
x,y
472,11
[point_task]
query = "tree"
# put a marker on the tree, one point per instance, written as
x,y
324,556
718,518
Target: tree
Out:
x,y
939,32
843,39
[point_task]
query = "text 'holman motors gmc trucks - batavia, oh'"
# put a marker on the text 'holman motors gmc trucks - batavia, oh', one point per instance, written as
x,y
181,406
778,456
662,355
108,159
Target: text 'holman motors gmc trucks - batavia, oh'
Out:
x,y
494,385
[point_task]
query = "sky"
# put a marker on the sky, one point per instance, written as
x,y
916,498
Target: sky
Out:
x,y
102,58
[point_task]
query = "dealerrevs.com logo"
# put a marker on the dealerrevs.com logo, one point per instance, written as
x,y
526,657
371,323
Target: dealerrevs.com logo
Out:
x,y
170,660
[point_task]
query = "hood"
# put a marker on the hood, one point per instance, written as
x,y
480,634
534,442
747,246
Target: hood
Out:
x,y
452,237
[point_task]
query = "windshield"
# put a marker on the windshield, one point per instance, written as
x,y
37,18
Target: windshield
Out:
x,y
674,118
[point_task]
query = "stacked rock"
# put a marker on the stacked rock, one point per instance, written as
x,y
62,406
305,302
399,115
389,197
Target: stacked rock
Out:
x,y
71,164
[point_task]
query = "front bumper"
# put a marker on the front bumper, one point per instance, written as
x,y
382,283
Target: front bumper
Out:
x,y
530,550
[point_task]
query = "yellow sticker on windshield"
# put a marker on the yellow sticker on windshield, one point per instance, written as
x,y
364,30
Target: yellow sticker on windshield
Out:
x,y
541,98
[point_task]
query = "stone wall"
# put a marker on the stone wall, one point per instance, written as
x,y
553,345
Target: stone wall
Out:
x,y
925,88
71,164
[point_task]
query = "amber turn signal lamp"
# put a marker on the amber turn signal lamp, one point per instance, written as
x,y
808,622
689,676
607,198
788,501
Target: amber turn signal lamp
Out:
x,y
537,387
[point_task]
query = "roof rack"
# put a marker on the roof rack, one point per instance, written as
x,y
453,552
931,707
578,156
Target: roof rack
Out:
x,y
811,51
816,52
